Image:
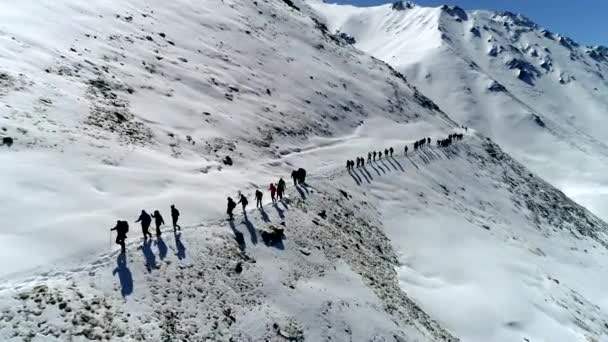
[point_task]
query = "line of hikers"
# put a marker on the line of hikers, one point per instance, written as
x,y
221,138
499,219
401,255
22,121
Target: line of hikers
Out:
x,y
448,141
371,156
122,227
276,192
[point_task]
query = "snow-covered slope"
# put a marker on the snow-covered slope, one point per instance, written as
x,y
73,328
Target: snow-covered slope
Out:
x,y
540,95
115,106
477,243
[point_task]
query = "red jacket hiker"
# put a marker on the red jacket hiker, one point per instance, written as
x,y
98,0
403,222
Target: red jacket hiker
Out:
x,y
273,191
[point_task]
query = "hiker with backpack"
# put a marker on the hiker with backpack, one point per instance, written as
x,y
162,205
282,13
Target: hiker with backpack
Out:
x,y
281,188
145,220
121,228
230,208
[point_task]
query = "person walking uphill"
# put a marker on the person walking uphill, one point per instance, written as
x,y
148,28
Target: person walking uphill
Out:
x,y
281,188
121,228
258,198
243,201
158,220
294,176
273,191
231,206
145,220
390,150
175,217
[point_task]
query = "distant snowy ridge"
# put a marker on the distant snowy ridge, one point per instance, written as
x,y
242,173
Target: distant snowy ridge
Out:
x,y
540,95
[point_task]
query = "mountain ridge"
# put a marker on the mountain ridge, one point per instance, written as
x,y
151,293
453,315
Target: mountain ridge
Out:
x,y
540,95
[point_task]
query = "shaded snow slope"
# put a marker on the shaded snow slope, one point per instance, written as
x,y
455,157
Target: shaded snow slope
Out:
x,y
540,95
115,106
489,250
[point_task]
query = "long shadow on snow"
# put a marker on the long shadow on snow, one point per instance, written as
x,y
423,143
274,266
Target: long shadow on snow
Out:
x,y
364,175
411,161
301,192
162,248
373,167
367,172
398,164
146,249
279,211
386,166
124,275
181,249
355,177
380,167
422,155
265,217
252,233
238,236
305,187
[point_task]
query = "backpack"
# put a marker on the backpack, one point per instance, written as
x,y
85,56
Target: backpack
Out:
x,y
123,227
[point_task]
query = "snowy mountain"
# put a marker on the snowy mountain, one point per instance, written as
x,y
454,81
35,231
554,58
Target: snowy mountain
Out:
x,y
115,106
540,95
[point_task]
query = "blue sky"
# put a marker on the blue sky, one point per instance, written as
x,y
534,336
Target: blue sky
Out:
x,y
585,21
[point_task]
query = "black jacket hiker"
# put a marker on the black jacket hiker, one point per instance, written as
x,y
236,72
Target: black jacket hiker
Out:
x,y
121,228
145,220
281,188
158,219
230,208
175,217
258,198
243,201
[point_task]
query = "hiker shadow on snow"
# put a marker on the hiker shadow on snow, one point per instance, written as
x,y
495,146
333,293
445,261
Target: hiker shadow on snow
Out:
x,y
124,275
355,177
279,211
369,175
380,167
181,249
146,249
238,236
373,167
398,164
364,175
264,215
384,164
388,160
411,161
301,192
251,229
162,248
